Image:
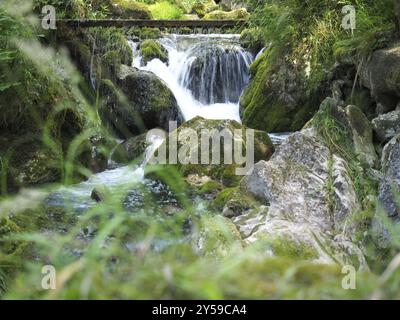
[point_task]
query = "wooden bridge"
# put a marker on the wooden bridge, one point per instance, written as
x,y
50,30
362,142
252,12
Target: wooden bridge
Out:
x,y
162,24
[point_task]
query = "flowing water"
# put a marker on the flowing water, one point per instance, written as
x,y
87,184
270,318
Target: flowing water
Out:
x,y
207,75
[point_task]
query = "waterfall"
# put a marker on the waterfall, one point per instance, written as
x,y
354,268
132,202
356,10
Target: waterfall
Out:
x,y
206,73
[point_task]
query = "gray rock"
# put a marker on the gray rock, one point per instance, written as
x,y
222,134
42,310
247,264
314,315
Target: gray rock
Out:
x,y
312,199
380,75
362,135
389,188
386,126
295,183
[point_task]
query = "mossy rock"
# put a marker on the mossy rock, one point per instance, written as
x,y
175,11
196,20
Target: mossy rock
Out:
x,y
145,33
277,98
237,14
127,9
289,248
215,236
131,112
233,202
252,39
152,49
201,8
227,174
132,149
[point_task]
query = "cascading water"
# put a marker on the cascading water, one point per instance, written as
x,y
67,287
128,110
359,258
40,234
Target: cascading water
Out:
x,y
206,73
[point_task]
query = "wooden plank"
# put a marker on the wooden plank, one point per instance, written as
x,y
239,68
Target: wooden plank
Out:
x,y
121,23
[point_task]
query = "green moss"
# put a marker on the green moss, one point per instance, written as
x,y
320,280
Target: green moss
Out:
x,y
216,236
145,33
252,39
231,15
201,8
128,9
235,199
165,10
285,247
210,187
262,104
152,49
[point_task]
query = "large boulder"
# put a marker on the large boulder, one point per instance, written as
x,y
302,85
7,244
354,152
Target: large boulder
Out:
x,y
311,199
222,172
140,101
276,98
381,75
387,125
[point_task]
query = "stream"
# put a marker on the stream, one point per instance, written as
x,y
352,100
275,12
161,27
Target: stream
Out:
x,y
207,75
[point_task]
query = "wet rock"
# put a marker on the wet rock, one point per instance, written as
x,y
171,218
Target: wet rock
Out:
x,y
387,125
193,157
152,49
141,101
225,63
380,75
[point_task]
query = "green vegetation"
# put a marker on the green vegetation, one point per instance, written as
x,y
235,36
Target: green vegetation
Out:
x,y
305,40
165,10
53,133
152,50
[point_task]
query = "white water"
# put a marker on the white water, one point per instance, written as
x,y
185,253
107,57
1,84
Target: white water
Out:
x,y
231,66
183,50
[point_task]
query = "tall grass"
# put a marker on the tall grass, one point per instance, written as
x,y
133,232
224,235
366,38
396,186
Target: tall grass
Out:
x,y
111,251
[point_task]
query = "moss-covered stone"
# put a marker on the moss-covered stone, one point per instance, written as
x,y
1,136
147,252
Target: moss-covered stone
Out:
x,y
152,49
286,247
221,172
252,40
201,8
233,202
277,98
127,9
147,33
237,14
150,105
215,236
132,149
